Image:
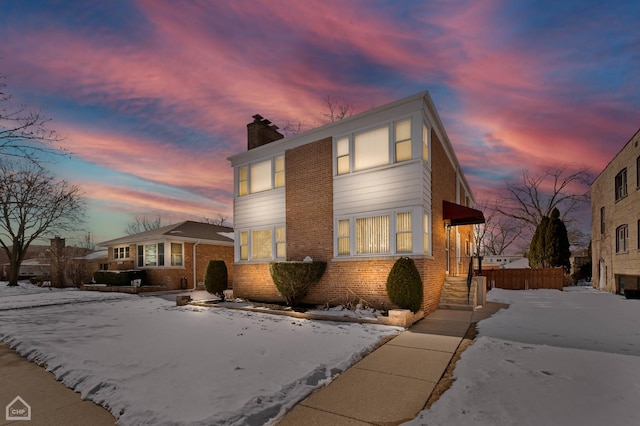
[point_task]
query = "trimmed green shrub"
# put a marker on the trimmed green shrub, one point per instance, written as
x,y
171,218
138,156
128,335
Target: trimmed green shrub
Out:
x,y
118,278
294,279
404,285
216,278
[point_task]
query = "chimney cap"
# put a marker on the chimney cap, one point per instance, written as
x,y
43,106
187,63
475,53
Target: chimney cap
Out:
x,y
257,117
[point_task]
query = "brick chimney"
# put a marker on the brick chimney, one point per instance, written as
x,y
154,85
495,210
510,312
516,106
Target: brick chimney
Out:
x,y
261,132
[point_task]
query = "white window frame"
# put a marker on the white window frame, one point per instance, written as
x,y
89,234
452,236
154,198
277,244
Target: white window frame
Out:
x,y
245,241
158,254
392,233
171,261
245,180
622,239
350,153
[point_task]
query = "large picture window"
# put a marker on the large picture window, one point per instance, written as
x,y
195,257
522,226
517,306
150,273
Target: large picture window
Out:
x,y
621,184
372,235
371,149
150,255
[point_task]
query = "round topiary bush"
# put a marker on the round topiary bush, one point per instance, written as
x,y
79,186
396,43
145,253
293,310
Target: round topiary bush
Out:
x,y
215,277
404,285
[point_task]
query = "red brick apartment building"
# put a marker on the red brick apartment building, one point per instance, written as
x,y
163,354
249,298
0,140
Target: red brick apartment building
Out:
x,y
358,194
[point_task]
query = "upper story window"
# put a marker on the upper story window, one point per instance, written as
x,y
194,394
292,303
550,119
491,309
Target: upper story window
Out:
x,y
121,252
638,172
602,225
621,184
622,238
391,143
261,176
425,144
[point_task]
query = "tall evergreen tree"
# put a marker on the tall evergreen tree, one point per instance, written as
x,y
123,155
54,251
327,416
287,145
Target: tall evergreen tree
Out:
x,y
537,247
557,242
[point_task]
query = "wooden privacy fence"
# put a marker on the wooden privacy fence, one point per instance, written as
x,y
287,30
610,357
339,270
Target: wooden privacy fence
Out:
x,y
524,279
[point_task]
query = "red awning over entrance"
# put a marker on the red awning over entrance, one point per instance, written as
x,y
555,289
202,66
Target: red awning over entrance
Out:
x,y
461,215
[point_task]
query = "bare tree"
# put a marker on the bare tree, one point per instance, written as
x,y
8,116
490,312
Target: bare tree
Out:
x,y
336,110
23,131
220,220
537,195
143,224
497,234
34,205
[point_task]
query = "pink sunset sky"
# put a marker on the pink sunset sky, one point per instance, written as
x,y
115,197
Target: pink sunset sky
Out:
x,y
153,96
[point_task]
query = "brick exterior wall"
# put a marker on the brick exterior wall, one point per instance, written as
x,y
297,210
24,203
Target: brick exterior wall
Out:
x,y
172,277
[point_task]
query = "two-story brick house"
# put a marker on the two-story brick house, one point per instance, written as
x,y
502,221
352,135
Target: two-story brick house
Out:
x,y
615,225
358,194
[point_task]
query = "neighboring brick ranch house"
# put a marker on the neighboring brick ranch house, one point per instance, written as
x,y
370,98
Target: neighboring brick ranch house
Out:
x,y
358,194
615,224
173,256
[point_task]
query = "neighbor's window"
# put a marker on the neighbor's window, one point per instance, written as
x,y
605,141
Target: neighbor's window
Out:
x,y
121,252
281,245
176,254
638,228
622,238
602,225
344,241
638,172
372,235
403,233
153,255
261,244
403,140
244,245
621,184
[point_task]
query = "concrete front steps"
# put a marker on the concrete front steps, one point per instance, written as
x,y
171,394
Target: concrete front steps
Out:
x,y
454,294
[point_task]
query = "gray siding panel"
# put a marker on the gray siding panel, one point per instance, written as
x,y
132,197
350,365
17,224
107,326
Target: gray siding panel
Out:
x,y
381,189
259,210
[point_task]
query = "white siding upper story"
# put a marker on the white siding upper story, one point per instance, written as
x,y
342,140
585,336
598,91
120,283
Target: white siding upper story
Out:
x,y
382,182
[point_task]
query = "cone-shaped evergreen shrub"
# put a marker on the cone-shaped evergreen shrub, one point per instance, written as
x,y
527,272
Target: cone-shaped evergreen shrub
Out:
x,y
294,279
215,277
404,285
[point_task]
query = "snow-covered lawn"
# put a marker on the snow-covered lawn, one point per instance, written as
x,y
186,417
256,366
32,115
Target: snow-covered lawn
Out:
x,y
151,362
552,358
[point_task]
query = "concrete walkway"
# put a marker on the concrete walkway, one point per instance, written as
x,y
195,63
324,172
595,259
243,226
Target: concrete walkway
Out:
x,y
52,403
393,383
